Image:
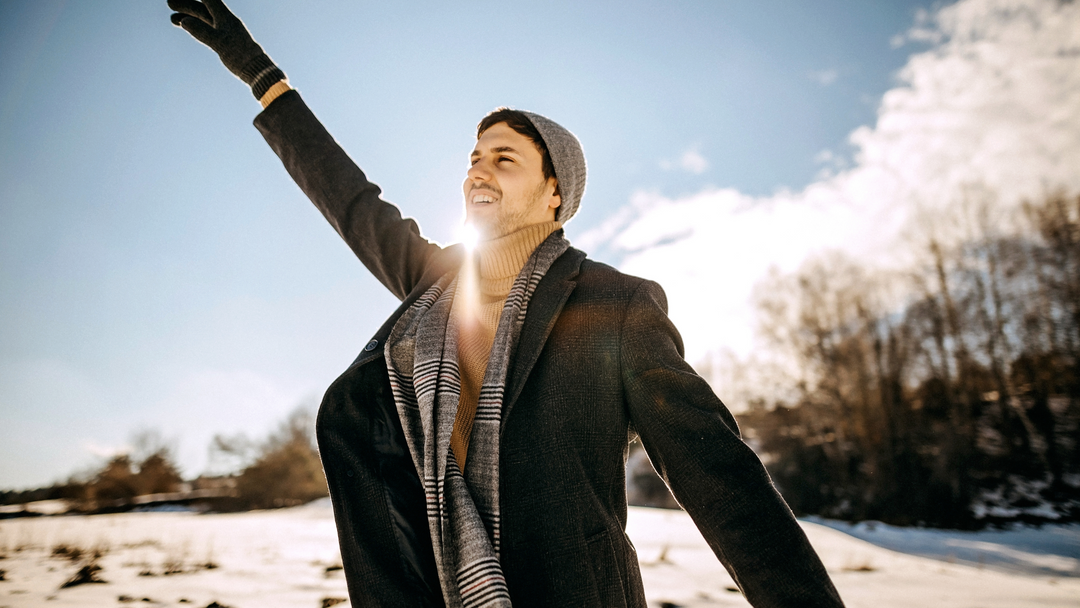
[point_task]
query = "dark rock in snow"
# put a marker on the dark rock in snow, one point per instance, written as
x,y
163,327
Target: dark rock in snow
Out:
x,y
86,574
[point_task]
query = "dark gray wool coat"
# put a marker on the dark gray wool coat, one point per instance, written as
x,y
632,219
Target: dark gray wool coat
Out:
x,y
598,363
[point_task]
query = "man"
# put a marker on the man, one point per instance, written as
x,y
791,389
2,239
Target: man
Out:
x,y
475,450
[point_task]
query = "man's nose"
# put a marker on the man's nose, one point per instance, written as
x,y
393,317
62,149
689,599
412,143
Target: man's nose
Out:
x,y
479,172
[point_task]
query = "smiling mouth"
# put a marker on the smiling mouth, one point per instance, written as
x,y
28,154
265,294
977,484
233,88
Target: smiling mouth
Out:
x,y
480,197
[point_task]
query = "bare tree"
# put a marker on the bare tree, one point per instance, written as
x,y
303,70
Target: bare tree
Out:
x,y
929,407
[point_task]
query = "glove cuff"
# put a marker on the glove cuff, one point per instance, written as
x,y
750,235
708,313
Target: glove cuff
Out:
x,y
260,74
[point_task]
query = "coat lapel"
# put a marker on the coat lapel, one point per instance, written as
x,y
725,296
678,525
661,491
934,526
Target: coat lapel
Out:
x,y
544,308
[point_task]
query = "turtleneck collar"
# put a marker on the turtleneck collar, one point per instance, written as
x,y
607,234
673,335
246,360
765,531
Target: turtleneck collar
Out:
x,y
501,259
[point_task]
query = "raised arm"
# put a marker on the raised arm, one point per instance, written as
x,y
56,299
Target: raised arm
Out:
x,y
391,247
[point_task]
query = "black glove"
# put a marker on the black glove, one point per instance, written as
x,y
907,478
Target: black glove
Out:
x,y
213,24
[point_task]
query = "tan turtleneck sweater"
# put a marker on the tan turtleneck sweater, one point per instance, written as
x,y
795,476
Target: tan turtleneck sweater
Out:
x,y
477,308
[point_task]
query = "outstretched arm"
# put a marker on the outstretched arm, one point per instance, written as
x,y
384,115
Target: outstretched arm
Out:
x,y
391,247
693,442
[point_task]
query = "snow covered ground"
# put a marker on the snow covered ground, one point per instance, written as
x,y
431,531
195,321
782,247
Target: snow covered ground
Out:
x,y
871,576
289,558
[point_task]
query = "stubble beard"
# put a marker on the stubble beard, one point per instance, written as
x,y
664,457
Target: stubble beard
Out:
x,y
511,218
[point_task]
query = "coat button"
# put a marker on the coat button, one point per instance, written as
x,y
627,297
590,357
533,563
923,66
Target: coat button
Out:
x,y
370,346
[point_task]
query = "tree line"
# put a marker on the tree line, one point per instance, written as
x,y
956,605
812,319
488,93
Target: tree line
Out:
x,y
281,470
945,393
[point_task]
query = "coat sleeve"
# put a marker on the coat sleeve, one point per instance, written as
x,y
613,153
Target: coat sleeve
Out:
x,y
391,247
694,444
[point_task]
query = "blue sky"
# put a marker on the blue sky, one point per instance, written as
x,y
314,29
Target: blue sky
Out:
x,y
158,269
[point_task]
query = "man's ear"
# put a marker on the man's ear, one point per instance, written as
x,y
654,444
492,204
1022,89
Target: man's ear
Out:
x,y
556,199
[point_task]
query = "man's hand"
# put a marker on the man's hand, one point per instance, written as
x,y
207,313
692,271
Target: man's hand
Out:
x,y
213,24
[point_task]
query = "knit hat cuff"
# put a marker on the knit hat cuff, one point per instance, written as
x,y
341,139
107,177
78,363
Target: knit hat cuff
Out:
x,y
569,162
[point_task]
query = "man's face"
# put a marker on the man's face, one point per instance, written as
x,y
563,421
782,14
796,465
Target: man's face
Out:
x,y
505,189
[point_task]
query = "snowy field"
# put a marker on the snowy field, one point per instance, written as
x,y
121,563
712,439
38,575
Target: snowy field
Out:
x,y
289,558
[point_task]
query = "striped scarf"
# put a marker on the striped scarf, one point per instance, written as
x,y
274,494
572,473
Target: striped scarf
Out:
x,y
421,358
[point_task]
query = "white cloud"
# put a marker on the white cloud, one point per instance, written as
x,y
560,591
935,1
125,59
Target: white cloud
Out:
x,y
94,448
691,161
831,163
994,102
824,77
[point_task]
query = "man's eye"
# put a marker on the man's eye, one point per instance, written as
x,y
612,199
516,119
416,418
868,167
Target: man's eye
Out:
x,y
507,158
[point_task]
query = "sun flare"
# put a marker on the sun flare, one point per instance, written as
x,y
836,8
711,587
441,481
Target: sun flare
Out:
x,y
468,236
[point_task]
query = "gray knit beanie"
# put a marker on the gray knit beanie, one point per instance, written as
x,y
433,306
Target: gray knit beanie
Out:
x,y
568,159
